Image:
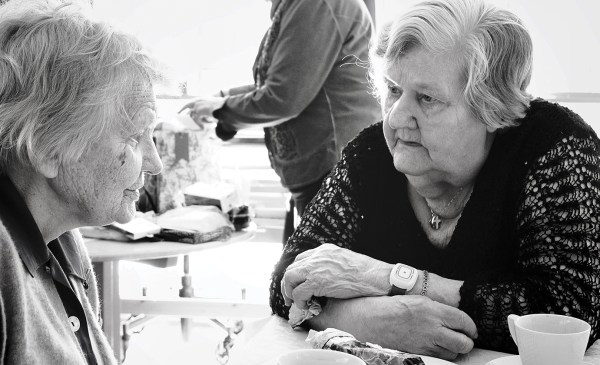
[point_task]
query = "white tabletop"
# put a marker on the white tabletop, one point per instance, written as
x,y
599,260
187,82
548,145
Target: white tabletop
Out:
x,y
269,338
101,250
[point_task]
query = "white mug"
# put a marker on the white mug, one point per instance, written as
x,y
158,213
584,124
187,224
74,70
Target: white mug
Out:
x,y
318,357
549,339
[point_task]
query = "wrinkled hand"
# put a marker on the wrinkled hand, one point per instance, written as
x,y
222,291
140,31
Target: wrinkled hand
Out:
x,y
333,272
409,323
201,109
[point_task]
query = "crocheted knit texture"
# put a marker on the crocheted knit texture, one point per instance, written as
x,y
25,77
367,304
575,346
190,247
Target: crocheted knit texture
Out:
x,y
539,251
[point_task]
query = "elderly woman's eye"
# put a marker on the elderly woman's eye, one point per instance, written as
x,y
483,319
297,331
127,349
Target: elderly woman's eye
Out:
x,y
428,99
394,90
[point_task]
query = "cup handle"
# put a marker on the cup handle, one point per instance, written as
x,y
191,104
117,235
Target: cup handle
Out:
x,y
511,326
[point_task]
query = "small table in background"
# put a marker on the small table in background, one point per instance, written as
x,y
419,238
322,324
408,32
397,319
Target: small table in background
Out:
x,y
107,254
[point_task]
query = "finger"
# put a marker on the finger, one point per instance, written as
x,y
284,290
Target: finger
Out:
x,y
186,106
453,341
287,300
291,279
202,121
460,321
284,291
302,294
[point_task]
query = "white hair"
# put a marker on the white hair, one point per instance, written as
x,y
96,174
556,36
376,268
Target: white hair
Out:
x,y
494,46
65,78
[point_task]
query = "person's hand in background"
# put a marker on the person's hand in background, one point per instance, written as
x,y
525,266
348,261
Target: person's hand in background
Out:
x,y
201,109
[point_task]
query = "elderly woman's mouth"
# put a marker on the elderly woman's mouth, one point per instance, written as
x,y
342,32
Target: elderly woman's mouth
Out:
x,y
409,143
132,193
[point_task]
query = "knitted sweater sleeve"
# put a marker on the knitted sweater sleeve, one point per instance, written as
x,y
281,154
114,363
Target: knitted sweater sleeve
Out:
x,y
332,217
3,314
559,247
3,330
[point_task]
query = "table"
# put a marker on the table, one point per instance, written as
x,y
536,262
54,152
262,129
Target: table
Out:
x,y
269,338
106,255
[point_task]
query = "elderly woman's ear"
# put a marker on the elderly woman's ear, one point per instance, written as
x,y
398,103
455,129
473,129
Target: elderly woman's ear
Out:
x,y
48,167
491,129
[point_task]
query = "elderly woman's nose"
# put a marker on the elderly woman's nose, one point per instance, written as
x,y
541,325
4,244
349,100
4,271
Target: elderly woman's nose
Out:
x,y
401,115
152,163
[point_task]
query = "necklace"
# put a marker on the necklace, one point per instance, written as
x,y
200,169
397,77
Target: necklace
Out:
x,y
435,221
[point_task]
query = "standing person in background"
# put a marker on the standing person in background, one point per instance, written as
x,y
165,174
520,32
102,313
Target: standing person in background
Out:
x,y
311,93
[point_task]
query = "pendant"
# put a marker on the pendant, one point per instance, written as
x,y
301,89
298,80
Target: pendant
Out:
x,y
434,222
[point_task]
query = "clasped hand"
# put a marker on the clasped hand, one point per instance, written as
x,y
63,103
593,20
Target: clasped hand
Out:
x,y
410,323
333,272
357,286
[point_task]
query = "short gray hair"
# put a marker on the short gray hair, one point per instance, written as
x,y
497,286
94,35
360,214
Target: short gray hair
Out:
x,y
495,47
65,78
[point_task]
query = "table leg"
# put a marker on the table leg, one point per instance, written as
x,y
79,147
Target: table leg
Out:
x,y
186,291
108,276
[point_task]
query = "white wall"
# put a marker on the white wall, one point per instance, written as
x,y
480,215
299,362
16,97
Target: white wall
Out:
x,y
211,44
566,40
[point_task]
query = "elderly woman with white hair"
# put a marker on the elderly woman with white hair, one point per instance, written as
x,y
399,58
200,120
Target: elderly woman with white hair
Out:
x,y
472,200
77,112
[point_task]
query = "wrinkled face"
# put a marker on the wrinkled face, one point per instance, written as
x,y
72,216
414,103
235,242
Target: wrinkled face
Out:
x,y
102,186
428,128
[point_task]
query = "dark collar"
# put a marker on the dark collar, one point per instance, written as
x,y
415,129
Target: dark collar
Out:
x,y
274,4
68,255
24,232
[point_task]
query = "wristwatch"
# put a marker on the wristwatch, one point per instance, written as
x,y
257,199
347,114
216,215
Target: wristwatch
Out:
x,y
402,279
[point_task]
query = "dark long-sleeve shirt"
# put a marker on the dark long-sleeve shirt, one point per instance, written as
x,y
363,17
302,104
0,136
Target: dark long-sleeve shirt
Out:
x,y
316,91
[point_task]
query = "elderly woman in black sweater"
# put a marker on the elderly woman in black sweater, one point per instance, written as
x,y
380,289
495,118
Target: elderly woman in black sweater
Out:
x,y
470,201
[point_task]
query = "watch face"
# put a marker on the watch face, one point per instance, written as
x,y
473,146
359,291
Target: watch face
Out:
x,y
403,277
404,272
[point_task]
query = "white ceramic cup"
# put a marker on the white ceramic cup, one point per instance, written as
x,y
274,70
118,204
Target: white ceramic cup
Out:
x,y
318,357
549,339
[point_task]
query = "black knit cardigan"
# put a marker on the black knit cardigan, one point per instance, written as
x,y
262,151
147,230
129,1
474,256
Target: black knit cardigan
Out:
x,y
528,239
